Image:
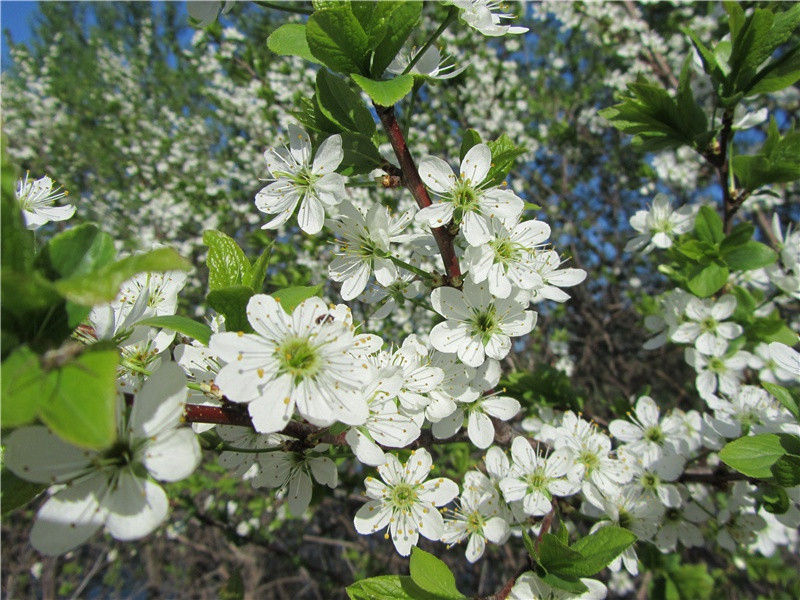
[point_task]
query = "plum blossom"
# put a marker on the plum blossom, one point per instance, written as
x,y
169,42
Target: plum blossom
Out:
x,y
477,325
706,326
309,360
480,15
36,200
659,225
298,179
469,199
405,502
109,488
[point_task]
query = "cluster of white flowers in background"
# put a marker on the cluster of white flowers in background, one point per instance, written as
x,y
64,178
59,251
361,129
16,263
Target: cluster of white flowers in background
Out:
x,y
318,365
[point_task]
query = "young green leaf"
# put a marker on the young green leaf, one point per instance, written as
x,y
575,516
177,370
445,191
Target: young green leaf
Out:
x,y
786,470
184,325
599,549
387,91
755,455
708,226
705,280
432,575
471,138
231,302
341,105
258,272
20,381
750,255
290,40
77,251
504,153
16,492
227,264
388,587
79,399
290,297
403,20
336,38
555,555
783,396
102,285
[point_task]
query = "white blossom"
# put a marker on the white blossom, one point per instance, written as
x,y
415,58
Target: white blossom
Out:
x,y
659,225
37,201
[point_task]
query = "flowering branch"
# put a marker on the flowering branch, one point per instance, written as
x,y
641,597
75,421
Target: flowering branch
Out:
x,y
444,239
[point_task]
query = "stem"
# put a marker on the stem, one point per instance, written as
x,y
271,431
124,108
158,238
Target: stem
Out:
x,y
408,267
444,239
451,15
284,7
723,170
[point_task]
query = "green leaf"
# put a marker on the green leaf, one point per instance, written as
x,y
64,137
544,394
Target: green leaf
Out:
x,y
471,138
777,162
692,582
102,285
20,381
16,492
779,74
786,470
360,154
78,251
374,18
290,297
290,40
403,21
529,545
569,584
773,498
689,111
739,235
79,399
771,329
387,91
16,242
555,555
599,549
258,272
705,280
432,575
336,38
504,153
227,264
33,310
341,105
783,396
754,455
708,226
231,302
655,119
189,327
696,249
233,588
389,587
750,255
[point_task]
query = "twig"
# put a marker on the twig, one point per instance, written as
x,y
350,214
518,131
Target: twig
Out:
x,y
444,239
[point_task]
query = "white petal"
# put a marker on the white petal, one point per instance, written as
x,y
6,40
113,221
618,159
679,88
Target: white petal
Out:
x,y
438,491
311,215
475,547
135,508
324,471
35,454
69,517
449,302
299,144
437,214
480,429
501,407
418,466
159,404
367,451
476,164
172,456
372,517
428,520
272,412
436,174
476,229
329,156
298,494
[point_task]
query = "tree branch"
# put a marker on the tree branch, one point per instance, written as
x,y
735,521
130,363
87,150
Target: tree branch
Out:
x,y
444,239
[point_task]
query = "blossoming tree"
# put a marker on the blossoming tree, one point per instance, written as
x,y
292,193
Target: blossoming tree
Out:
x,y
102,379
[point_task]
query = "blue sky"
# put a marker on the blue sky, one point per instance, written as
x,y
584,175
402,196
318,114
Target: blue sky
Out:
x,y
16,18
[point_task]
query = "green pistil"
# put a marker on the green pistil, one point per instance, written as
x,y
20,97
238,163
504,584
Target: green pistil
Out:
x,y
504,250
474,522
484,324
716,365
404,496
708,324
298,358
465,197
672,514
536,481
655,435
625,519
589,460
650,481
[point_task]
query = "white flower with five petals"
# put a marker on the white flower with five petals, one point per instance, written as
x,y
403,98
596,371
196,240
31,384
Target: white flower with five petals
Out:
x,y
405,502
109,488
36,199
469,200
297,178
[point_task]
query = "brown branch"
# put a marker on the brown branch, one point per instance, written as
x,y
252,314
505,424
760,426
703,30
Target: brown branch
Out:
x,y
444,239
